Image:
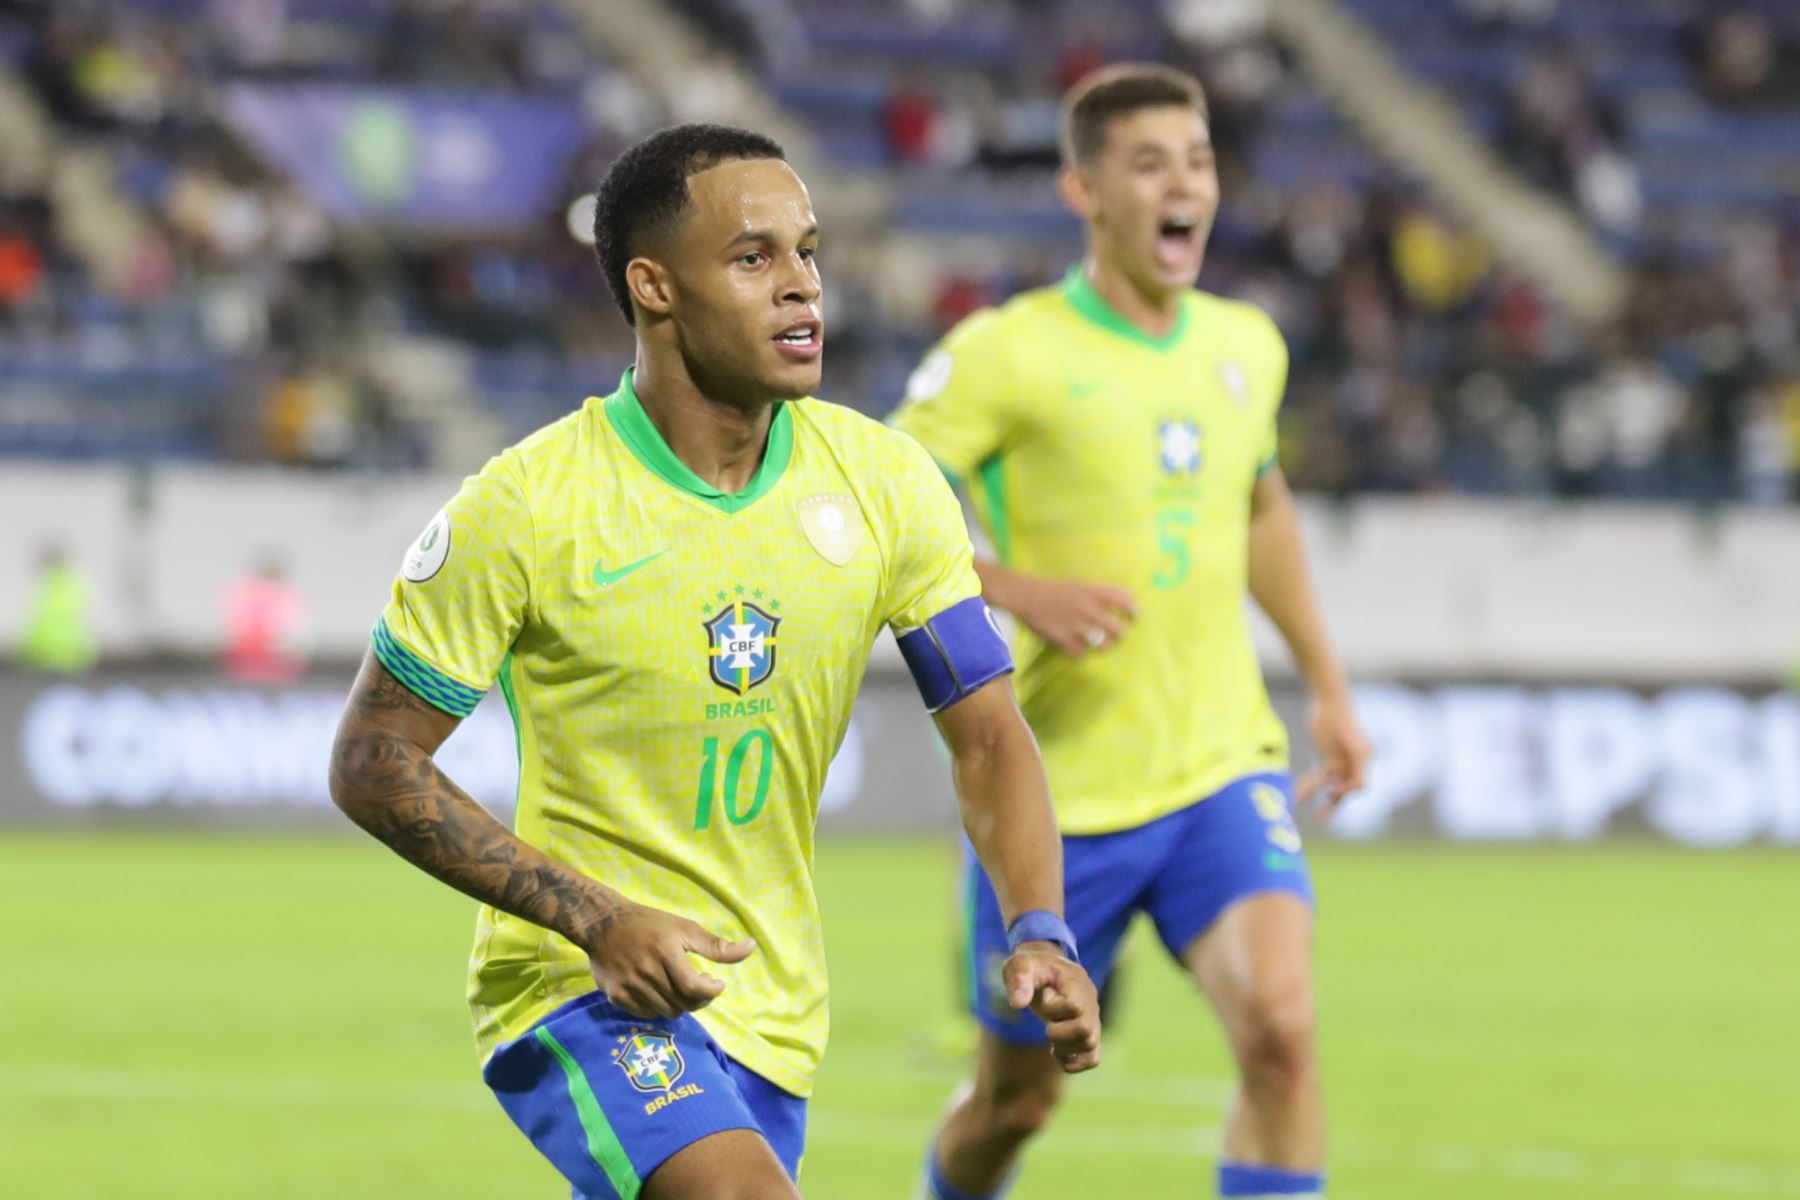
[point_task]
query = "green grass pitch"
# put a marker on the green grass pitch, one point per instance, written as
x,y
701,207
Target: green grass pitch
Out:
x,y
195,1016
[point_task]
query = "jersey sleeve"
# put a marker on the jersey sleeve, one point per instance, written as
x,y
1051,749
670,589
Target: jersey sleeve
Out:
x,y
932,566
461,596
1269,453
960,402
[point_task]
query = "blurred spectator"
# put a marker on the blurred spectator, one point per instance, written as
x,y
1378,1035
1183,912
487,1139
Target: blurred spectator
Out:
x,y
1768,451
311,418
1563,134
1771,443
709,90
253,33
1217,24
217,217
909,119
1510,12
1615,431
405,42
58,635
1420,361
769,30
1023,130
21,270
964,113
484,46
1742,63
617,106
265,619
935,12
1238,63
1439,263
958,296
1076,60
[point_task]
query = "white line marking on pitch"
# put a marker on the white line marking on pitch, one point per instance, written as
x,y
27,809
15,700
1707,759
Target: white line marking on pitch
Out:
x,y
1085,1139
134,1086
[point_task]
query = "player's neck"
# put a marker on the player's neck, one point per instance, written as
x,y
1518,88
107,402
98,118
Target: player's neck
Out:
x,y
1155,313
720,441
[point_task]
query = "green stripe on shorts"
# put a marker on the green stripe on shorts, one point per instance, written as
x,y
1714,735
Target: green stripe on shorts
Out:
x,y
972,985
602,1143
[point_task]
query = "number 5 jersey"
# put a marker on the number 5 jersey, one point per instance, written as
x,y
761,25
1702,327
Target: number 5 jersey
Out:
x,y
1093,451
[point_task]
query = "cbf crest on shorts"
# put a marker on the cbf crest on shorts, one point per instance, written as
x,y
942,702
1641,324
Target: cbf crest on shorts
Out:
x,y
741,645
651,1061
1272,807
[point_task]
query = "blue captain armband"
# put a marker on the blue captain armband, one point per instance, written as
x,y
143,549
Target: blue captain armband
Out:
x,y
955,653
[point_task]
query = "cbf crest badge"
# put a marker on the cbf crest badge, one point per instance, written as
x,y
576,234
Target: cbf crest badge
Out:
x,y
741,646
834,526
1178,447
651,1061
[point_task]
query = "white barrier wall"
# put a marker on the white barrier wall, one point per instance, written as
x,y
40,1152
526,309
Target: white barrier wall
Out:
x,y
1441,589
1511,590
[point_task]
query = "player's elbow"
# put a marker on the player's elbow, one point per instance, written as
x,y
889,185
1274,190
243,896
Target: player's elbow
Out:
x,y
999,778
994,738
365,766
351,755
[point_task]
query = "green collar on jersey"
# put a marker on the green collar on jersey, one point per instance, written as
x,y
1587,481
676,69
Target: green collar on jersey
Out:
x,y
1088,303
626,412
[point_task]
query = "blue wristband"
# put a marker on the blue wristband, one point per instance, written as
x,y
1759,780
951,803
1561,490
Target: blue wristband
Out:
x,y
1041,926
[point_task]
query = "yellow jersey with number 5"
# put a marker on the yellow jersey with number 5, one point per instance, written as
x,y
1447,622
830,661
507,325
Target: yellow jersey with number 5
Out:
x,y
680,665
1093,451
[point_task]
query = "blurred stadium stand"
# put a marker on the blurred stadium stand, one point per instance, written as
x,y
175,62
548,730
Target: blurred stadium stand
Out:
x,y
338,233
1523,250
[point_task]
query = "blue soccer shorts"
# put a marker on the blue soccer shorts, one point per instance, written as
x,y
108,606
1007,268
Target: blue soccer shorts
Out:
x,y
1182,871
608,1097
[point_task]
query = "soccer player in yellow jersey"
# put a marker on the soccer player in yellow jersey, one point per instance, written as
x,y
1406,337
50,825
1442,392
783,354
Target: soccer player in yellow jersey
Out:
x,y
1117,437
676,588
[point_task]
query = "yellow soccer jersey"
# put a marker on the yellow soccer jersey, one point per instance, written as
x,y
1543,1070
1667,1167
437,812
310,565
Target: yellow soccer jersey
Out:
x,y
680,665
1094,451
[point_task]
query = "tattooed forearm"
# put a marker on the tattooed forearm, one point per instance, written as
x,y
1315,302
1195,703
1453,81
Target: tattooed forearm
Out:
x,y
387,783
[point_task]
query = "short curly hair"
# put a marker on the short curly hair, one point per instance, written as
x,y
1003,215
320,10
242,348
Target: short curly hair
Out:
x,y
646,188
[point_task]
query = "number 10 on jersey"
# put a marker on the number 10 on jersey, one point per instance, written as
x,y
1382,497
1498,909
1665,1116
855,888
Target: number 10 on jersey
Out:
x,y
739,809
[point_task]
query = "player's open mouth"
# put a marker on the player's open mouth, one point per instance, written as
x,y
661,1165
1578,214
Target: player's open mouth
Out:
x,y
803,341
1178,242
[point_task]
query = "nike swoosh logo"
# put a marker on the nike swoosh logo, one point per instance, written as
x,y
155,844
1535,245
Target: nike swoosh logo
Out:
x,y
603,577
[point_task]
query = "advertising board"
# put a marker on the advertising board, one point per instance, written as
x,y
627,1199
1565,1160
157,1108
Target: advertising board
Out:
x,y
1702,766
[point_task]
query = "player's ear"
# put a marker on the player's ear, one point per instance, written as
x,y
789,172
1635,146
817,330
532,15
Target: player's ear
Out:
x,y
1072,183
651,286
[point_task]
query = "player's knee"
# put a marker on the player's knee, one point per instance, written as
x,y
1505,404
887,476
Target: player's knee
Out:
x,y
757,1185
1017,1110
1275,1036
771,1189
